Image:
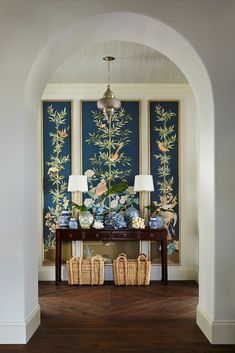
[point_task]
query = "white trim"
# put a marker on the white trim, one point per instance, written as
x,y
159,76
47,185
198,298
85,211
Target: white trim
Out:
x,y
216,331
175,273
20,332
32,322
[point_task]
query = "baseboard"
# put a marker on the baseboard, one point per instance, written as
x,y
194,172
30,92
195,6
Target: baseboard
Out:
x,y
216,331
20,332
175,273
32,322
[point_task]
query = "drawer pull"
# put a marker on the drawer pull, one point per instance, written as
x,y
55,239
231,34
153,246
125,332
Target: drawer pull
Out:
x,y
70,235
151,234
97,235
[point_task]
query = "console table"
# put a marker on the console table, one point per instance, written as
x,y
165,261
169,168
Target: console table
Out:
x,y
115,235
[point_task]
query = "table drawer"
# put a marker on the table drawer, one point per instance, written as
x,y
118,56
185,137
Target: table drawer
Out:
x,y
71,236
96,234
126,235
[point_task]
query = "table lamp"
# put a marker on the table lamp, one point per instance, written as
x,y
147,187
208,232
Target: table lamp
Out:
x,y
143,183
77,183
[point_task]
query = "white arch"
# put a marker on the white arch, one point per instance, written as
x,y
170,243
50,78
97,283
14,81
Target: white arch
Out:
x,y
150,32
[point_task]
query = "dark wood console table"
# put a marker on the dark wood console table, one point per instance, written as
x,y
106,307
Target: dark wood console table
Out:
x,y
115,235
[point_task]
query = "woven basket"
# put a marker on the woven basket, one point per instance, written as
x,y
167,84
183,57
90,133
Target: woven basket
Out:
x,y
131,272
85,272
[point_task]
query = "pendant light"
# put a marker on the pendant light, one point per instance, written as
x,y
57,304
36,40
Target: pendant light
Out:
x,y
108,104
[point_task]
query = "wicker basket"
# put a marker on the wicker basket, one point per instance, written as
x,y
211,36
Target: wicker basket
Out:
x,y
131,272
87,272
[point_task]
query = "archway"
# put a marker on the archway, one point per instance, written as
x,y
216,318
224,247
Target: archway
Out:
x,y
152,33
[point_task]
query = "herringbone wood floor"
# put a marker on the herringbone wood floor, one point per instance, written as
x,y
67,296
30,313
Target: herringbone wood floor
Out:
x,y
153,319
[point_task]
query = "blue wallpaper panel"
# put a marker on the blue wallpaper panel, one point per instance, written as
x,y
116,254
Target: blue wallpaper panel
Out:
x,y
164,165
130,149
56,164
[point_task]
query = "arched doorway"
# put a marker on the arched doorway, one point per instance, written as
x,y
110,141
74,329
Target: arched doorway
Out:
x,y
152,33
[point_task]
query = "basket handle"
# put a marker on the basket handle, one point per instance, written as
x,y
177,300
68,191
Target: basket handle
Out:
x,y
71,269
142,257
100,259
123,257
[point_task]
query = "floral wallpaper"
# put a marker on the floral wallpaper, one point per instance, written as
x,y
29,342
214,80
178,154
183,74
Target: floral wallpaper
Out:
x,y
164,165
56,168
110,158
109,153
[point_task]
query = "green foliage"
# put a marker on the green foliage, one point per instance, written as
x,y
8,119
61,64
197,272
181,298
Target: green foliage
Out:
x,y
114,190
165,143
111,136
78,207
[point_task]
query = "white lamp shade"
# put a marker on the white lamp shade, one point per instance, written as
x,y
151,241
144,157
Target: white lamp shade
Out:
x,y
77,183
143,183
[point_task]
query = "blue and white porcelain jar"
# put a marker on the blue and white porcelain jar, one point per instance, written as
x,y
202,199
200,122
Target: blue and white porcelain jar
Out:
x,y
130,213
73,224
64,219
99,213
85,219
156,222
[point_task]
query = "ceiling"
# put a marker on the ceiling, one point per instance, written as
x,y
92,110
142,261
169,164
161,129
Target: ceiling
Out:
x,y
135,63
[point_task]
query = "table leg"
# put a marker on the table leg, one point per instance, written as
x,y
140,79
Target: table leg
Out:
x,y
162,261
58,260
165,261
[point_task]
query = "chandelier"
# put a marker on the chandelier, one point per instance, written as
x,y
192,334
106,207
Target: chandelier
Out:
x,y
108,104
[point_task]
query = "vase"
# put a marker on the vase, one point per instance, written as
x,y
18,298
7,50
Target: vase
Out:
x,y
99,211
64,218
156,222
130,213
73,224
85,219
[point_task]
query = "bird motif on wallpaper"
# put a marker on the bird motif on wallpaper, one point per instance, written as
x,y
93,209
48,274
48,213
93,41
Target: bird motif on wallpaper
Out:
x,y
162,147
52,170
101,125
62,133
115,156
100,189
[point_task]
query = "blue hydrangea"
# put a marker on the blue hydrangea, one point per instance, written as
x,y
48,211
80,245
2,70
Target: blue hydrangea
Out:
x,y
115,220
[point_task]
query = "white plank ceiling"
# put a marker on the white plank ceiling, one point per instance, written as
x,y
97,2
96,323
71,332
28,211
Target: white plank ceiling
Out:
x,y
135,63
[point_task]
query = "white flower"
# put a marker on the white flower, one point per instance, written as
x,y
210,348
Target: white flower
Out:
x,y
123,199
87,202
89,173
114,203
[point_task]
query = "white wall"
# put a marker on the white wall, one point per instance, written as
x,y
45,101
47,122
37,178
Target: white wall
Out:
x,y
35,37
187,270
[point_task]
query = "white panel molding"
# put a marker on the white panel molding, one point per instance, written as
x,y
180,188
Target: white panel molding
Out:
x,y
216,331
20,332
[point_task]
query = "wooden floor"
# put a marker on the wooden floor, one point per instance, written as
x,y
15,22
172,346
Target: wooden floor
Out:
x,y
153,319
